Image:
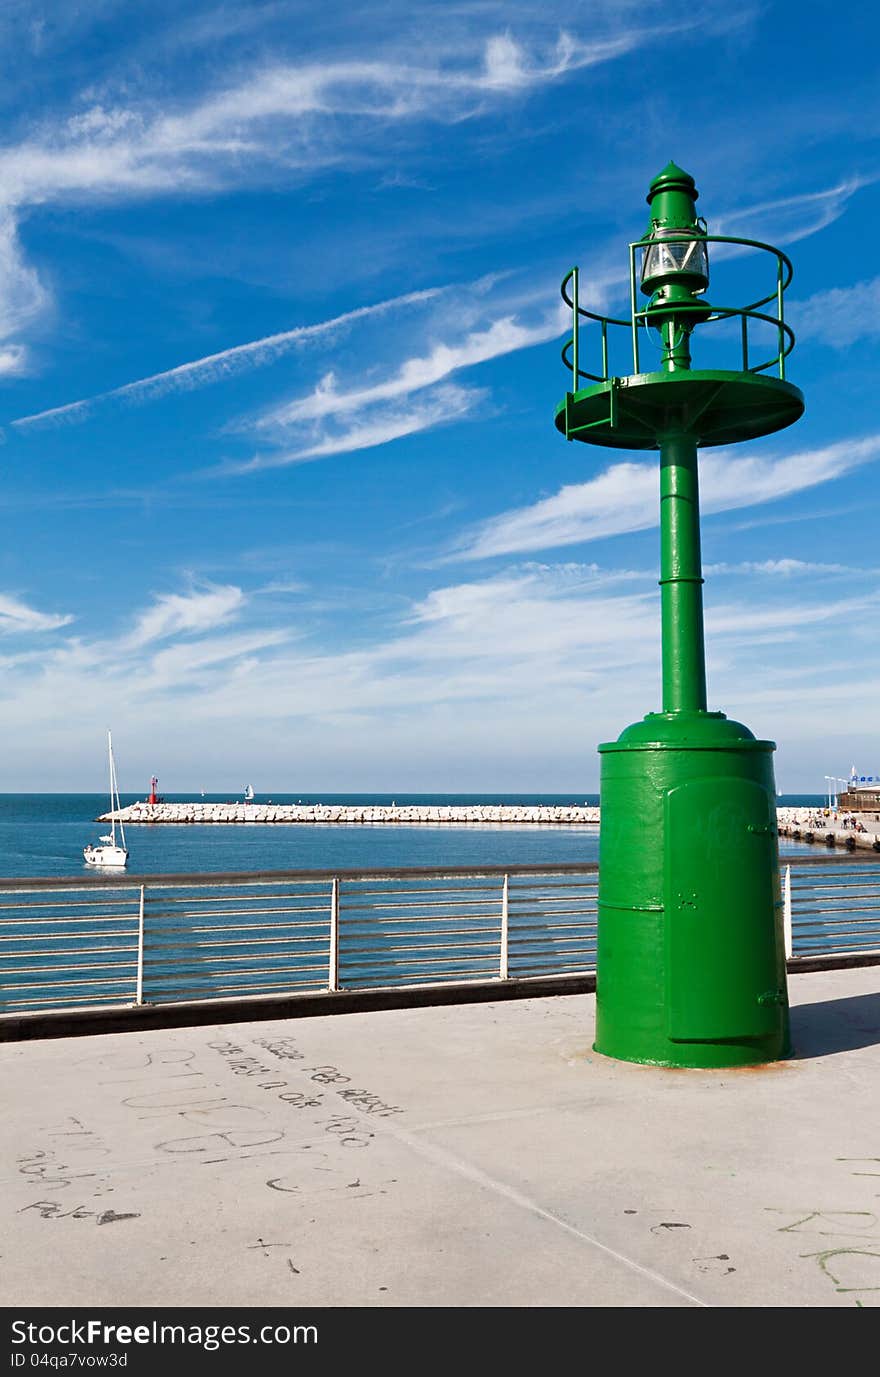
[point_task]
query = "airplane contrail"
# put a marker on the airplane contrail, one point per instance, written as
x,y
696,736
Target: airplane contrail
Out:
x,y
214,366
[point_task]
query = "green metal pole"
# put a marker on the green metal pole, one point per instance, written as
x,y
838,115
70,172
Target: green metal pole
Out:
x,y
681,578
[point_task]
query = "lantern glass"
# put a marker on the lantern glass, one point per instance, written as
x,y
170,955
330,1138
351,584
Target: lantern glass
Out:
x,y
679,257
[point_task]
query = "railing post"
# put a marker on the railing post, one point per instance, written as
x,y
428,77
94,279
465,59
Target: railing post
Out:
x,y
139,993
632,306
786,912
781,309
502,969
333,975
575,352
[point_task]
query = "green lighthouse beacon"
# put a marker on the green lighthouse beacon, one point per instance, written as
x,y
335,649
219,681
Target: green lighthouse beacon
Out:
x,y
691,962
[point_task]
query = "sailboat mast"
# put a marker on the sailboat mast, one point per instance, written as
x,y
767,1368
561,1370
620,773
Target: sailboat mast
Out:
x,y
112,802
117,803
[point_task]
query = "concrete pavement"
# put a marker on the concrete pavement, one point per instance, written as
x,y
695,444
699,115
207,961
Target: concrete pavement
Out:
x,y
465,1156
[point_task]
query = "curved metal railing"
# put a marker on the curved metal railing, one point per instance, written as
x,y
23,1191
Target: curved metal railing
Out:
x,y
785,338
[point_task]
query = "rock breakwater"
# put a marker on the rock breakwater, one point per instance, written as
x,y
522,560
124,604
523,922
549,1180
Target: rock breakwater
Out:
x,y
208,813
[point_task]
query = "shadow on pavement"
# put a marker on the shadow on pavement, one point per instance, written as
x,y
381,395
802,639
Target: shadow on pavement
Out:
x,y
835,1025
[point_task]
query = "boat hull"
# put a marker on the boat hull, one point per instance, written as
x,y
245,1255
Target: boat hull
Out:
x,y
106,857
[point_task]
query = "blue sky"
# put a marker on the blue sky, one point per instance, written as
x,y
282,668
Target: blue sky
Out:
x,y
279,333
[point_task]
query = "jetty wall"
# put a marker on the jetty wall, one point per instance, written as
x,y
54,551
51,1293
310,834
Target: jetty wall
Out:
x,y
346,812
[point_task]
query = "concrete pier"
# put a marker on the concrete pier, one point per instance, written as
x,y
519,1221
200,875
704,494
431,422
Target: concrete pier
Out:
x,y
815,826
469,1156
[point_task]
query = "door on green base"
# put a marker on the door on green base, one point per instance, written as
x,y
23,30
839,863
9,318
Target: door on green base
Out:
x,y
724,976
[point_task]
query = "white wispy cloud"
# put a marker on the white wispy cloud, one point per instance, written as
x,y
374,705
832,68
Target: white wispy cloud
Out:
x,y
176,666
23,297
839,316
287,120
528,614
414,395
789,219
502,336
625,497
17,616
190,613
540,660
285,113
217,367
13,360
784,568
786,619
384,423
279,121
174,645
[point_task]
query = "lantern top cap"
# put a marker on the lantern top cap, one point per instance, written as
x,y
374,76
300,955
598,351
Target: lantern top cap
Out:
x,y
673,178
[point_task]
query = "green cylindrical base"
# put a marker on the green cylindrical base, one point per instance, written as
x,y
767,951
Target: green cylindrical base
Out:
x,y
691,959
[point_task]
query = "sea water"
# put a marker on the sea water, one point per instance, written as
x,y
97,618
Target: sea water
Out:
x,y
44,834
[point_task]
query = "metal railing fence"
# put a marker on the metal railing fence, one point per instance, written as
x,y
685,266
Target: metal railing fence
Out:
x,y
833,907
782,332
105,941
120,941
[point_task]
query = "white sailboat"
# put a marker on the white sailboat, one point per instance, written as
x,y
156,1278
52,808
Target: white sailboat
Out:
x,y
249,793
109,852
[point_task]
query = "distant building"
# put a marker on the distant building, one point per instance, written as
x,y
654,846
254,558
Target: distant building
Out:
x,y
862,794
